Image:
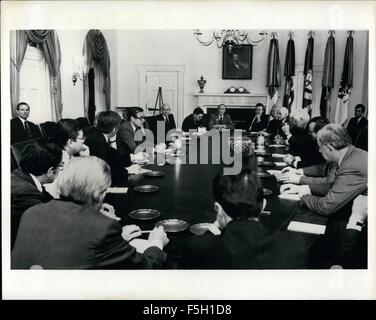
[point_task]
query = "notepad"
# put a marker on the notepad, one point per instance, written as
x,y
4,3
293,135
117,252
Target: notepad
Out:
x,y
117,190
278,155
306,227
276,173
289,196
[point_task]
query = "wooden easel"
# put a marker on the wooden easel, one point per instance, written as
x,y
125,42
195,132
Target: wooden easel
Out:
x,y
158,101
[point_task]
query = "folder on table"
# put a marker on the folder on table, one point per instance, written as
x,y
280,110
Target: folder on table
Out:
x,y
306,227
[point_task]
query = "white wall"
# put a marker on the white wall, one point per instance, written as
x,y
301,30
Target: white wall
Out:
x,y
71,45
131,48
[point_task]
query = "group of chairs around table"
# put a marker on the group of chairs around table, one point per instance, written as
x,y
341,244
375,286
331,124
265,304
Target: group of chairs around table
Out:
x,y
47,132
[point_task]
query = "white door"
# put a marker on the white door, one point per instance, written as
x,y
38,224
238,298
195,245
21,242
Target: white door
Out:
x,y
170,79
35,85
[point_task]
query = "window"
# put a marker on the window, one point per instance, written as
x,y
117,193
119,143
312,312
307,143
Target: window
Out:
x,y
35,85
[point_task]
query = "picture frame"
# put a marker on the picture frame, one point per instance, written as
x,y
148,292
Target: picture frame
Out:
x,y
237,62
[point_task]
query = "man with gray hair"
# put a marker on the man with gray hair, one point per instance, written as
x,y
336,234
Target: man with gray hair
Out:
x,y
167,119
350,177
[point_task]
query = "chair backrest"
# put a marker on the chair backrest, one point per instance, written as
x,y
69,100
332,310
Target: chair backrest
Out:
x,y
48,129
16,151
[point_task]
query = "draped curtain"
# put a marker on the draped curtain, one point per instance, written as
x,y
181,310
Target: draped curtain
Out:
x,y
49,43
308,74
96,51
289,72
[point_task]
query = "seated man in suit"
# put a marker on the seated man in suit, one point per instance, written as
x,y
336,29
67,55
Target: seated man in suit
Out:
x,y
40,163
167,120
132,132
70,233
98,139
70,137
272,121
260,121
194,120
350,178
220,120
283,119
311,155
20,128
244,243
357,123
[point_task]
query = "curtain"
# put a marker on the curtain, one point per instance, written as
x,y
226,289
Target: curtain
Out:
x,y
50,46
18,44
96,51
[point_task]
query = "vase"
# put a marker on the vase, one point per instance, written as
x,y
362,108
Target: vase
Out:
x,y
201,84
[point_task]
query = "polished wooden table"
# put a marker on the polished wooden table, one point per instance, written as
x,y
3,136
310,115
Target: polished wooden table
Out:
x,y
185,192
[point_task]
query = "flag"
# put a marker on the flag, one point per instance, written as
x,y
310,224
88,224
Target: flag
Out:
x,y
345,85
308,75
289,72
327,77
273,77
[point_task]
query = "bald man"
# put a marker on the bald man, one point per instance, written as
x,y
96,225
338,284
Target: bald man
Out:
x,y
167,117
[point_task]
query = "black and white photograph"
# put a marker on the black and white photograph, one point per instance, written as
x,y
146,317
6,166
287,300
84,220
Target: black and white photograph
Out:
x,y
145,158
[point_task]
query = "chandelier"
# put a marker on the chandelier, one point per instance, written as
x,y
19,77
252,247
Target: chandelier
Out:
x,y
229,38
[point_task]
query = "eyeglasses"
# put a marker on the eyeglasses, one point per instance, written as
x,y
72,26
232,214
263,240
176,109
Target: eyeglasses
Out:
x,y
83,138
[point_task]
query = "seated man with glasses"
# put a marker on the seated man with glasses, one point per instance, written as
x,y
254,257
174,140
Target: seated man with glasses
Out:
x,y
132,131
40,163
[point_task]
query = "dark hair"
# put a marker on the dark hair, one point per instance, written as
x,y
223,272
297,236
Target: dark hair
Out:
x,y
22,103
198,110
260,104
221,104
107,121
132,112
239,195
320,123
360,106
38,157
66,129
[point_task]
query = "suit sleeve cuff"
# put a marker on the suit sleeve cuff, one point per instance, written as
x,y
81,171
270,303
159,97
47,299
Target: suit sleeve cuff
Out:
x,y
156,243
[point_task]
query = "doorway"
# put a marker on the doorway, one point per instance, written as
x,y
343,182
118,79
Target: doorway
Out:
x,y
170,79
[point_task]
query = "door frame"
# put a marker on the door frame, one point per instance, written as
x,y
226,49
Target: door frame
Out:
x,y
179,69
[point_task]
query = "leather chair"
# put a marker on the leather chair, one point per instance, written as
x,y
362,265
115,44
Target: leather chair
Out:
x,y
48,129
16,151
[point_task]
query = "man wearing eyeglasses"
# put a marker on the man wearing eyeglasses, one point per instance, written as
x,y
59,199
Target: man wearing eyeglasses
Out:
x,y
167,119
132,131
40,164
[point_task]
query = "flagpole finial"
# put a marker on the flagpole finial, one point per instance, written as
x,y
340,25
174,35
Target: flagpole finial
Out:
x,y
311,34
291,34
331,32
350,32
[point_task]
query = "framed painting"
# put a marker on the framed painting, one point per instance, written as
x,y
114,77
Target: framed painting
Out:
x,y
237,63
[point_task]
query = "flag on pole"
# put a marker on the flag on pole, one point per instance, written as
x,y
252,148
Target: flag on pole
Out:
x,y
345,83
273,77
308,75
328,77
289,72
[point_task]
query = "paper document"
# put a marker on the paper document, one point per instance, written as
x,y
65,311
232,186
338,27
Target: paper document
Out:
x,y
276,173
306,227
289,196
140,244
280,164
278,155
117,190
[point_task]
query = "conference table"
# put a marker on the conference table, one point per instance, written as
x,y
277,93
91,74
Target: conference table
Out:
x,y
185,192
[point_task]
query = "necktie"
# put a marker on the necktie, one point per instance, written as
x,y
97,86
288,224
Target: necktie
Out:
x,y
221,120
28,131
167,121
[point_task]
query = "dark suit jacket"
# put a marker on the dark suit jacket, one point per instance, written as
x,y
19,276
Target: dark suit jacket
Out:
x,y
125,138
66,235
246,245
168,126
273,127
214,119
351,179
18,133
24,194
257,126
99,147
189,123
354,127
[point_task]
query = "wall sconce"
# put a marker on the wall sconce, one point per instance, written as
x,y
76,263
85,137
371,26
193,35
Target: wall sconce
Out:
x,y
79,72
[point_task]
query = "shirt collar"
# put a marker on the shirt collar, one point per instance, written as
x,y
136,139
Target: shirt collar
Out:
x,y
37,183
133,126
22,120
105,137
